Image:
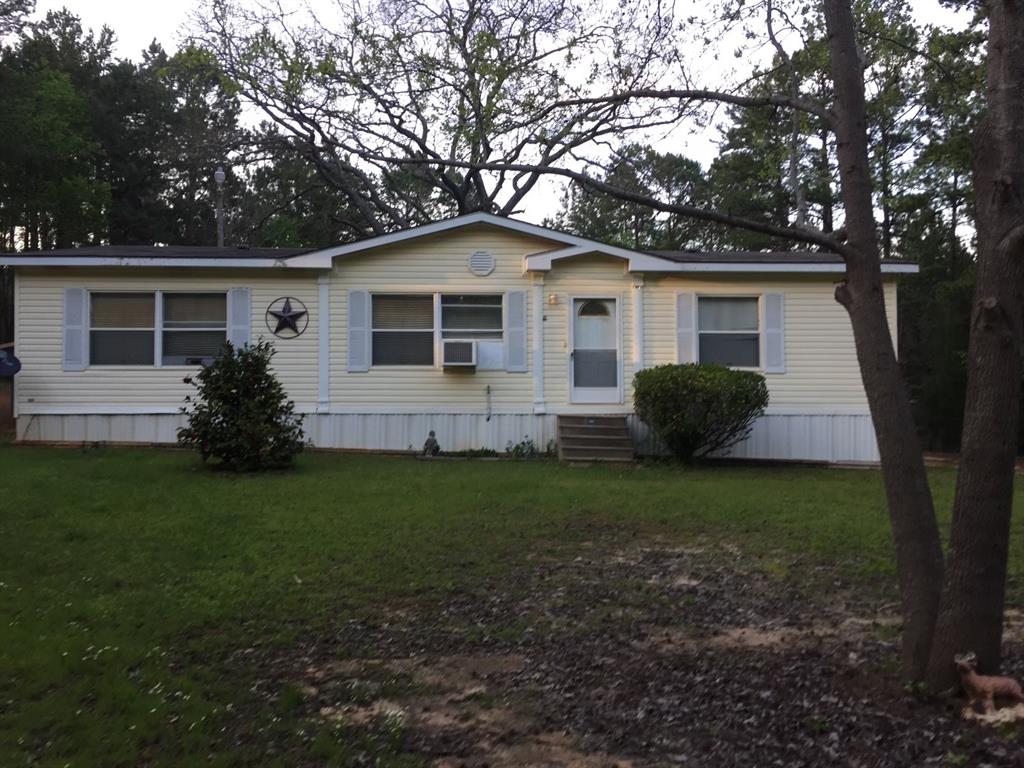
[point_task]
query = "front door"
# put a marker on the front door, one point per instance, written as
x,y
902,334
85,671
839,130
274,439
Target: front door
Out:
x,y
594,351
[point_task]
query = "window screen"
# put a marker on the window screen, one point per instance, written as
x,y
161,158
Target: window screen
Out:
x,y
194,327
403,329
121,328
728,328
471,317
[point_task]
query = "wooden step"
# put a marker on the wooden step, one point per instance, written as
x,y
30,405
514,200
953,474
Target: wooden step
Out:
x,y
610,433
596,454
594,438
592,421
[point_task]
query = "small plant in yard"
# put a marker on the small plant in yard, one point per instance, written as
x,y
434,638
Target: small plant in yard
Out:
x,y
240,414
528,449
698,409
473,453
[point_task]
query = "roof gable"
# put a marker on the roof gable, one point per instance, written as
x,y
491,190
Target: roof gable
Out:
x,y
326,256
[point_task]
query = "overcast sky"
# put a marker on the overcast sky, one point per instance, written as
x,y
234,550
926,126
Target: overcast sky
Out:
x,y
136,23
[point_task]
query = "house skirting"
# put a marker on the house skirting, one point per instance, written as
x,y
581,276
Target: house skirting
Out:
x,y
792,436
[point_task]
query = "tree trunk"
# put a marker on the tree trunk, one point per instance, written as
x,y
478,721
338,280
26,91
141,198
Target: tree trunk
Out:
x,y
826,175
33,231
886,194
954,242
6,304
971,613
912,516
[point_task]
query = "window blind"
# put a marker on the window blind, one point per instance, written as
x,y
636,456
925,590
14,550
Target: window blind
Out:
x,y
398,312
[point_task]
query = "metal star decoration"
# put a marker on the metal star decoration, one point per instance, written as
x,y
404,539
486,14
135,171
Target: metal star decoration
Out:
x,y
287,318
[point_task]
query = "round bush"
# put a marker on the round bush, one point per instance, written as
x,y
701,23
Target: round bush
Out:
x,y
240,414
699,409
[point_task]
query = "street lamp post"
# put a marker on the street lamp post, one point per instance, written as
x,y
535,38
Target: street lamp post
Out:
x,y
218,176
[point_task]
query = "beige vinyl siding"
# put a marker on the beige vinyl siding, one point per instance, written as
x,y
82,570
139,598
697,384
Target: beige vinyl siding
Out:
x,y
821,362
39,306
583,276
431,265
821,366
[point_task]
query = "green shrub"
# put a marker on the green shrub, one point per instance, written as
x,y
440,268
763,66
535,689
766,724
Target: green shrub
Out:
x,y
528,449
240,414
699,409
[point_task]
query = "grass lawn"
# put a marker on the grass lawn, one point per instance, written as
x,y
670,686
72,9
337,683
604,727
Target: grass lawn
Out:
x,y
139,594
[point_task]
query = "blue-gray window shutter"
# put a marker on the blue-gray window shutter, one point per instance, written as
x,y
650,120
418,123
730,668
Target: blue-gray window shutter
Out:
x,y
515,332
240,326
76,336
358,331
774,333
686,330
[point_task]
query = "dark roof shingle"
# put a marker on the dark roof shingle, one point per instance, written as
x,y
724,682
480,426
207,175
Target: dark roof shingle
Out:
x,y
758,257
168,252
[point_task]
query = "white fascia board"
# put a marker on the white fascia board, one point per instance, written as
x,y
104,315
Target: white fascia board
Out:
x,y
725,266
639,262
900,269
324,258
106,261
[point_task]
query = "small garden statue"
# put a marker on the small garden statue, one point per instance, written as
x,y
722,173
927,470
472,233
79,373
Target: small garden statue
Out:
x,y
984,689
431,446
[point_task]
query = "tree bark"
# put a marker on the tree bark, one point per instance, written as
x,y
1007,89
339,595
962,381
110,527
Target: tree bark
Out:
x,y
826,175
911,511
971,612
886,193
954,222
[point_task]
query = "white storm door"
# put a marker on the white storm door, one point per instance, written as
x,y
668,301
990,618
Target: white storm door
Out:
x,y
595,370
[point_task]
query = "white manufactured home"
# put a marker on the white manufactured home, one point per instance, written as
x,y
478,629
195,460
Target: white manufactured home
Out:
x,y
484,329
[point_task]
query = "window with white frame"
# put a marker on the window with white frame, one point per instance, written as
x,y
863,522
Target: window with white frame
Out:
x,y
195,327
479,317
124,327
403,329
728,330
404,326
465,316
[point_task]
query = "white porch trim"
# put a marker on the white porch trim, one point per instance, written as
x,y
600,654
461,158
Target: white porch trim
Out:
x,y
638,323
324,342
538,344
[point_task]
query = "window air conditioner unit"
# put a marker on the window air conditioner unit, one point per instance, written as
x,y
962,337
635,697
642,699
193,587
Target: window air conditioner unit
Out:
x,y
456,353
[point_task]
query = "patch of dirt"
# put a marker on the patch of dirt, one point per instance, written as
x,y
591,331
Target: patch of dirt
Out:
x,y
461,721
647,657
542,750
1001,716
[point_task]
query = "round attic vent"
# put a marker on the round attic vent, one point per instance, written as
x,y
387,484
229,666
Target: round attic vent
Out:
x,y
481,263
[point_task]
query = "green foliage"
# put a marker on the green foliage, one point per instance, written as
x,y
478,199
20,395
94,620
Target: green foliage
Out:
x,y
638,168
240,414
109,150
527,448
696,410
747,178
472,453
57,198
287,204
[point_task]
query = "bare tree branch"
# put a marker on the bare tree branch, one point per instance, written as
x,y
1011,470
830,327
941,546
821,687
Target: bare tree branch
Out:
x,y
795,234
702,94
